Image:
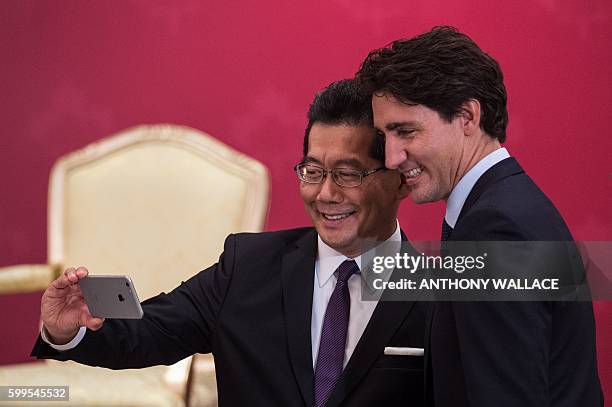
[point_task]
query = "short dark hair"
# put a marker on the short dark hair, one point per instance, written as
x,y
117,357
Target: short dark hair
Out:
x,y
343,103
440,69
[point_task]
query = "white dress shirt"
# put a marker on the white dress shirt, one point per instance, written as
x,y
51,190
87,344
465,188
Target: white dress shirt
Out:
x,y
325,278
328,260
463,188
72,344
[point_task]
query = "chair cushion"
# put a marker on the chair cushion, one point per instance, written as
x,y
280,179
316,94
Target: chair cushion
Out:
x,y
94,385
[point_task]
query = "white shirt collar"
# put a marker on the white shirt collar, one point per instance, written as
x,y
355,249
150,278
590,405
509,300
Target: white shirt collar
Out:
x,y
330,259
463,188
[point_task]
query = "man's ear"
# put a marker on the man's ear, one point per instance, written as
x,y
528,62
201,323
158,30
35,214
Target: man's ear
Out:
x,y
470,115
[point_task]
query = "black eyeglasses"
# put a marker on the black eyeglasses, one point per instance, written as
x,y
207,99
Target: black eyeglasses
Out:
x,y
344,177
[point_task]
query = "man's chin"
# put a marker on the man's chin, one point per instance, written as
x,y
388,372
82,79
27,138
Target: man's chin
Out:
x,y
420,196
338,243
419,199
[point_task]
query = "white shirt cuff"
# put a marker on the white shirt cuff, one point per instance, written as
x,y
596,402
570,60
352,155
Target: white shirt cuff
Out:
x,y
70,345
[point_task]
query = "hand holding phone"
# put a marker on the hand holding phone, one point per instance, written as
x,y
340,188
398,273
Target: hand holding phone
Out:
x,y
63,309
76,299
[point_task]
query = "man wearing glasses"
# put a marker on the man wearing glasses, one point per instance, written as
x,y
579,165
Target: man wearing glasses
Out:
x,y
281,311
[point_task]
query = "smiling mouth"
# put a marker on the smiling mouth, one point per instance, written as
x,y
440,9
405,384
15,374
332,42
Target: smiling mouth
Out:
x,y
413,173
336,216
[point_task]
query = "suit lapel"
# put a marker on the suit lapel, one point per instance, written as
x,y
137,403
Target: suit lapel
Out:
x,y
386,319
502,169
297,280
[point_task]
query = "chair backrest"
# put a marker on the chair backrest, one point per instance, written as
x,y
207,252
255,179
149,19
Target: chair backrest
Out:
x,y
154,202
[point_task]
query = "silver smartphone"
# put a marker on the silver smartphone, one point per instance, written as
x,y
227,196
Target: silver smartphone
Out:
x,y
111,297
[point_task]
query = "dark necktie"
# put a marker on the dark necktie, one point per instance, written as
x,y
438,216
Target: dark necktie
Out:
x,y
446,230
330,360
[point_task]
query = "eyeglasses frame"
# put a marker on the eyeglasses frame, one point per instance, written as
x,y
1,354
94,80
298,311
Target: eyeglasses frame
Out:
x,y
362,174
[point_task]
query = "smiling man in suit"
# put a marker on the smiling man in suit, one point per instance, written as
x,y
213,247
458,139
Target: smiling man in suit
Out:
x,y
440,102
281,311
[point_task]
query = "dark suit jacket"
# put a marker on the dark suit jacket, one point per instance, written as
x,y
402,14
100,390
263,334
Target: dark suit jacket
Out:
x,y
511,353
252,310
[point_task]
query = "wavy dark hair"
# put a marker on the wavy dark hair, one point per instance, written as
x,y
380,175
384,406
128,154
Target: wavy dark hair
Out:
x,y
440,69
343,103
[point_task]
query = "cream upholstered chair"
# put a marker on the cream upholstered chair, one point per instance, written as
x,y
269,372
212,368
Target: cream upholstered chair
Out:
x,y
154,202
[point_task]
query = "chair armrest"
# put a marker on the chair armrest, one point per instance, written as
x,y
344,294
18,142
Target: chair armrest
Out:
x,y
202,383
25,278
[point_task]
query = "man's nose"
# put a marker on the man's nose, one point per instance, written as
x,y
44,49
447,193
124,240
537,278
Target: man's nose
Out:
x,y
395,154
330,191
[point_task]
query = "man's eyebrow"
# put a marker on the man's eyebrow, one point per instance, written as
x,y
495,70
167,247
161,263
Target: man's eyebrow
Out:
x,y
311,160
395,125
350,162
346,162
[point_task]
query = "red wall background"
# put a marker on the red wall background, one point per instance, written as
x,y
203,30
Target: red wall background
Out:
x,y
245,72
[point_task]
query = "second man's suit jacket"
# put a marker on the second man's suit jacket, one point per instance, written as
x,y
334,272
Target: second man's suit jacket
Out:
x,y
508,354
252,310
